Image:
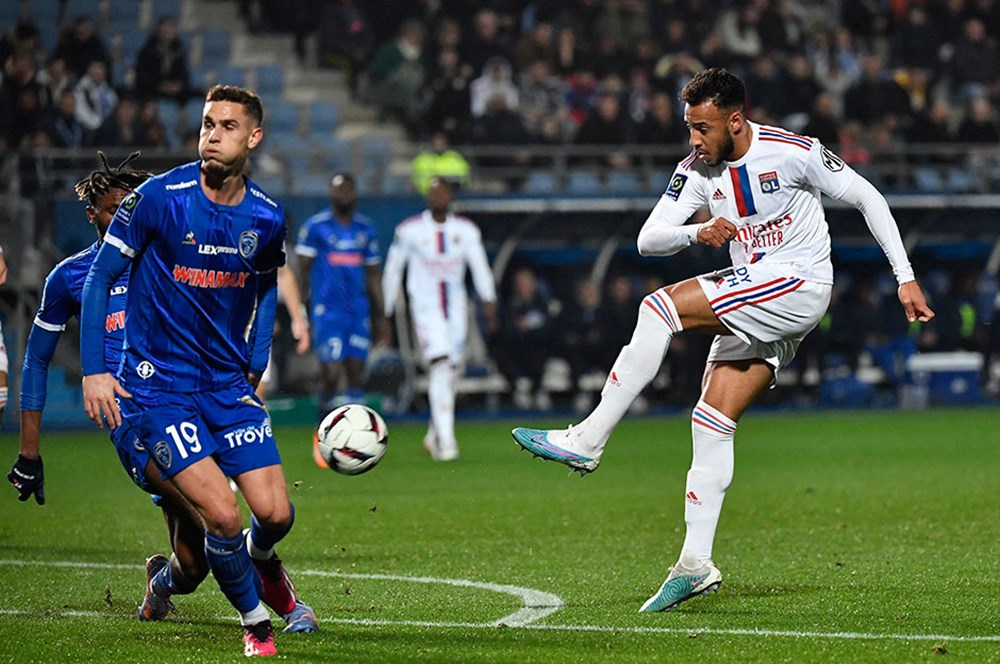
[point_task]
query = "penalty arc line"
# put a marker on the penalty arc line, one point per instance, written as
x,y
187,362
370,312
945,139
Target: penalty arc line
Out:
x,y
521,619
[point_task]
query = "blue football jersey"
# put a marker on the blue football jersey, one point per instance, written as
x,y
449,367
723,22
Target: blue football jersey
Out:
x,y
61,302
193,281
340,253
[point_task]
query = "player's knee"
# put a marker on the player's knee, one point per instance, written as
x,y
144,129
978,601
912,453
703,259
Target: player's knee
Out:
x,y
277,517
224,520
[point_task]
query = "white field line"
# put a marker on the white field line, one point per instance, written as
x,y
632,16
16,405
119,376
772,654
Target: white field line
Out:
x,y
527,595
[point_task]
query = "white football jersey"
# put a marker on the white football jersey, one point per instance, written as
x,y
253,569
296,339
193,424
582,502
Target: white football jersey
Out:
x,y
772,195
435,257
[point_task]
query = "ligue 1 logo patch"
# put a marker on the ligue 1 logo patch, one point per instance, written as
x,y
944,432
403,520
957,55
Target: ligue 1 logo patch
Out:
x,y
676,185
127,207
249,241
769,182
162,454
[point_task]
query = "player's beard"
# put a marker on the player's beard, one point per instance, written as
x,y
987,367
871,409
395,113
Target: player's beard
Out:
x,y
217,171
726,149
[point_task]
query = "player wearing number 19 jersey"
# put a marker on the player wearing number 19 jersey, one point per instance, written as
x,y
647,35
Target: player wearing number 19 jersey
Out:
x,y
762,186
204,244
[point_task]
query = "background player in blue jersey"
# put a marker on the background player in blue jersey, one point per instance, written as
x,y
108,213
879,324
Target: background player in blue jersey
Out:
x,y
103,190
339,273
204,244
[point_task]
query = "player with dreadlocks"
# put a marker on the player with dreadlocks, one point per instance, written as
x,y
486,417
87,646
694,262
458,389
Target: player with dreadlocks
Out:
x,y
103,190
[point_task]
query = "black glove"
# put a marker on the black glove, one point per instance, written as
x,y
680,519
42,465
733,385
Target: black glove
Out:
x,y
28,478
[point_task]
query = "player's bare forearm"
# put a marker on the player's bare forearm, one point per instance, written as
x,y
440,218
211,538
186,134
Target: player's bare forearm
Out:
x,y
99,392
31,426
914,303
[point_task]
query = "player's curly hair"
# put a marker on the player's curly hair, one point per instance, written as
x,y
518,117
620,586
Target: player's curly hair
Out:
x,y
717,85
102,180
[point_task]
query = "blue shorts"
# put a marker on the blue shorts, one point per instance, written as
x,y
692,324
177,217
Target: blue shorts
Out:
x,y
133,456
176,429
336,339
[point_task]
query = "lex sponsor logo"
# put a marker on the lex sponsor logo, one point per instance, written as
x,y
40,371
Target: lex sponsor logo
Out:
x,y
181,185
251,435
200,278
145,369
118,290
215,250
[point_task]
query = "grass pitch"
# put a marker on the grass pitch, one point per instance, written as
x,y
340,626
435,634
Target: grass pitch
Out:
x,y
846,537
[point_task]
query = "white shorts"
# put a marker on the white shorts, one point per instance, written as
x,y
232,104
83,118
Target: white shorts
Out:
x,y
438,336
768,311
3,353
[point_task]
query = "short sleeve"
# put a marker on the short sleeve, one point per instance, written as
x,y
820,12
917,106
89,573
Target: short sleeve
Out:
x,y
58,303
307,242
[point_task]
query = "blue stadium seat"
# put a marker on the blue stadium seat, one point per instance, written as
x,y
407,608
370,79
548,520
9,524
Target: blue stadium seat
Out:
x,y
170,114
540,182
47,11
376,152
124,13
215,47
193,109
9,13
270,80
230,75
583,182
311,184
624,182
282,117
323,117
171,8
274,185
90,8
336,156
132,42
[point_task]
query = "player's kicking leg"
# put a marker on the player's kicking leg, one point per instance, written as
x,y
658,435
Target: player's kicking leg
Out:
x,y
580,447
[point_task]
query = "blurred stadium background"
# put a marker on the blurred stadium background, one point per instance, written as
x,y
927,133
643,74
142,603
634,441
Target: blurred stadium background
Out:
x,y
560,120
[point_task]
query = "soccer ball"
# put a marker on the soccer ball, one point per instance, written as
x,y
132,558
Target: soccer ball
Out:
x,y
353,439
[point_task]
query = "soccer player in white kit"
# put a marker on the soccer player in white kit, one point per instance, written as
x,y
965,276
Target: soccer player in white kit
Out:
x,y
434,248
762,186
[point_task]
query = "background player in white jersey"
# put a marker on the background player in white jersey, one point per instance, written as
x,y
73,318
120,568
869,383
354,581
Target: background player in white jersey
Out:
x,y
762,186
434,248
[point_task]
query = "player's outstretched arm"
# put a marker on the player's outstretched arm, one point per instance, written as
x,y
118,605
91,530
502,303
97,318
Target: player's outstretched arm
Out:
x,y
914,302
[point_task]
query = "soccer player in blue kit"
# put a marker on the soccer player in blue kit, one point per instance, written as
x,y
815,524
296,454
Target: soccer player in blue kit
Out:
x,y
339,272
203,244
103,190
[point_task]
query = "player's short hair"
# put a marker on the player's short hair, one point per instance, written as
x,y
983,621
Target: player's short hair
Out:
x,y
105,179
342,177
246,97
717,85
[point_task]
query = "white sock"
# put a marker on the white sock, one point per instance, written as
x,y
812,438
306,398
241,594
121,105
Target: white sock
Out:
x,y
711,472
255,616
256,553
441,395
636,366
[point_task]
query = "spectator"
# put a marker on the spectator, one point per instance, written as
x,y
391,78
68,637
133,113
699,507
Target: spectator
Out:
x,y
584,341
81,45
782,27
95,98
537,44
581,93
439,160
979,126
569,57
396,75
161,68
767,82
661,128
54,78
344,39
502,129
526,338
975,64
65,131
916,41
485,42
738,28
495,82
152,132
447,95
541,96
121,129
605,126
800,88
875,96
822,123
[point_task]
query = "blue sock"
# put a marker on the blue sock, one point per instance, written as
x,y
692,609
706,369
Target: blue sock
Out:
x,y
230,565
354,396
264,539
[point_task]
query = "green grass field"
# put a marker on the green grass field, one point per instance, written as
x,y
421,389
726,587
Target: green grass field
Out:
x,y
846,537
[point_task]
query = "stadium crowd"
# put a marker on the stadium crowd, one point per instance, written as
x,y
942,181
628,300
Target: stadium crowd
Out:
x,y
859,75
